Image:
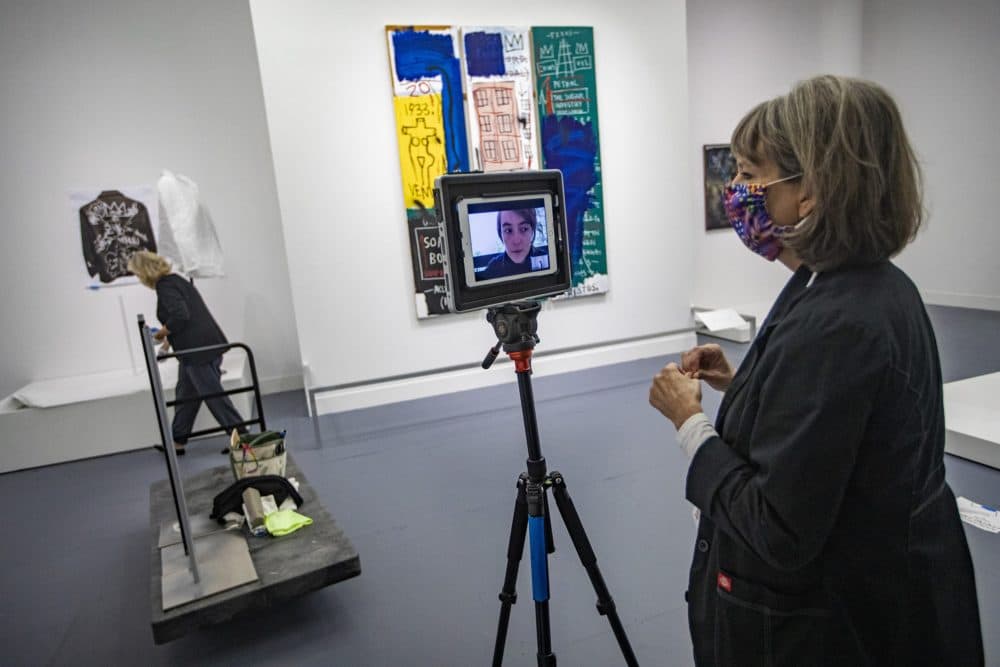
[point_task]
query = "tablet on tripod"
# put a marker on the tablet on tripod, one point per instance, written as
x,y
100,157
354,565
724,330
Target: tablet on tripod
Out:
x,y
504,237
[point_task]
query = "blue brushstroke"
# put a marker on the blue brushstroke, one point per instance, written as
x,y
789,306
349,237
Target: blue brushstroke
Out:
x,y
571,147
484,54
421,55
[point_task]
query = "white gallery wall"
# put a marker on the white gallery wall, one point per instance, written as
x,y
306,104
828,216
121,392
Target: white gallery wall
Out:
x,y
733,66
939,60
327,93
942,62
106,94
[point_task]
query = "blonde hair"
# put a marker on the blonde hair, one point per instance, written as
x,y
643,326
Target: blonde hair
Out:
x,y
148,267
845,136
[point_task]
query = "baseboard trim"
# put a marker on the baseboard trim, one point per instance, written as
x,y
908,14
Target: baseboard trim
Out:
x,y
357,396
277,385
959,300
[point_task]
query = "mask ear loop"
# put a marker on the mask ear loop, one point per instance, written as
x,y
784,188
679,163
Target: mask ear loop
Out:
x,y
778,230
731,182
782,180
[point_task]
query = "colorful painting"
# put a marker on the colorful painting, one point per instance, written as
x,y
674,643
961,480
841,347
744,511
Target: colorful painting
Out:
x,y
467,99
430,128
420,128
566,90
501,113
720,167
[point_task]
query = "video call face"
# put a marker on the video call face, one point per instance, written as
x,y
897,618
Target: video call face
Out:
x,y
517,231
512,227
508,238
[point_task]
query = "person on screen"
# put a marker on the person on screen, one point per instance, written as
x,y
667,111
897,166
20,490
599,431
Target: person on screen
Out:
x,y
516,229
828,533
187,323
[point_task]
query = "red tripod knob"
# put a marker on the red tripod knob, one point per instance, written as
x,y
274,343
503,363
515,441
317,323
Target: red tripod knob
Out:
x,y
522,360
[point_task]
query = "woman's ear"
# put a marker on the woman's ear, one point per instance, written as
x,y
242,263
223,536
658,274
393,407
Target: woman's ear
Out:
x,y
807,203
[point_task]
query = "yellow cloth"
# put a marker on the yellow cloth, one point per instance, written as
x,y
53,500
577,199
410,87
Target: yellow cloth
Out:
x,y
284,522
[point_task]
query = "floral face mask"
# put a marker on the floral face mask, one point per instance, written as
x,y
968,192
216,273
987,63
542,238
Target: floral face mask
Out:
x,y
745,209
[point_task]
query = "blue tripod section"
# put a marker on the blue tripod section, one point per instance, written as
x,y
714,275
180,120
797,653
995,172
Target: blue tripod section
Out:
x,y
539,562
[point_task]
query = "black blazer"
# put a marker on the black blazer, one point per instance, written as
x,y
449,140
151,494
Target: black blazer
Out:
x,y
828,534
181,309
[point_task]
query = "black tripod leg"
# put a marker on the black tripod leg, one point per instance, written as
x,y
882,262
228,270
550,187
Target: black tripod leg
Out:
x,y
550,543
605,605
515,549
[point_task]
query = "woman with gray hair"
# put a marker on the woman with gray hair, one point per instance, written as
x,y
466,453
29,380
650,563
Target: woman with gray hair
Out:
x,y
828,534
186,323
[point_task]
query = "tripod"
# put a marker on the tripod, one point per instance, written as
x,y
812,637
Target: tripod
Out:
x,y
515,325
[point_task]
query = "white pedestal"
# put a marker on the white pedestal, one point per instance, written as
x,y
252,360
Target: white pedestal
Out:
x,y
86,416
972,417
739,334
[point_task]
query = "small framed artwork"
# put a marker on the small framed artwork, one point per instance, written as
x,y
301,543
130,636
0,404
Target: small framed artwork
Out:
x,y
720,167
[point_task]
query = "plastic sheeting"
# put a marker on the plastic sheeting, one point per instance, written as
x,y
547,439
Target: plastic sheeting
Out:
x,y
187,234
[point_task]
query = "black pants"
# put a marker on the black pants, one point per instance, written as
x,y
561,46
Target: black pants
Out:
x,y
200,380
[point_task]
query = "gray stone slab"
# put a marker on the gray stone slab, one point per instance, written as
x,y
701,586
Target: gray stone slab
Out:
x,y
223,562
308,559
201,525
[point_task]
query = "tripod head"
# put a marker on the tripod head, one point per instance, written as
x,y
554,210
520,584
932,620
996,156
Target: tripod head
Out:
x,y
515,325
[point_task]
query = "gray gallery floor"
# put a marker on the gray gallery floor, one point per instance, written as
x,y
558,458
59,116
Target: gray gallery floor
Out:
x,y
425,491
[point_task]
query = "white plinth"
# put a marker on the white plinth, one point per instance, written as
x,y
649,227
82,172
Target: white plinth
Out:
x,y
86,416
972,417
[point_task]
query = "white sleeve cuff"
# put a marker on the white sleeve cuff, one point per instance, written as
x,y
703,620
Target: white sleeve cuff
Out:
x,y
694,432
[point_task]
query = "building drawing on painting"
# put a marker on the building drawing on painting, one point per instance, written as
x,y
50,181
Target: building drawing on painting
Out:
x,y
499,138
